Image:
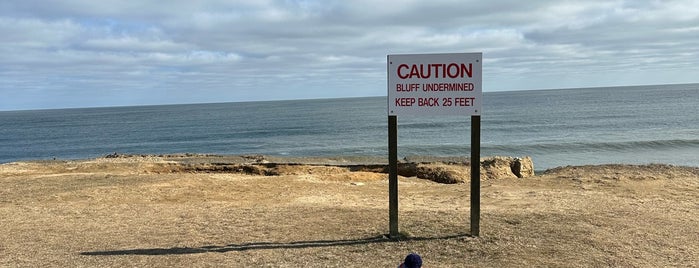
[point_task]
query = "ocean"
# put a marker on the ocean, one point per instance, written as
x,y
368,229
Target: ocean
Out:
x,y
633,125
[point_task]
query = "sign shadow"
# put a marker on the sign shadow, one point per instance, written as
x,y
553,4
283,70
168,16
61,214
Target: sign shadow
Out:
x,y
264,245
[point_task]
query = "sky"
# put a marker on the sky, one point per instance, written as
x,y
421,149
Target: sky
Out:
x,y
87,53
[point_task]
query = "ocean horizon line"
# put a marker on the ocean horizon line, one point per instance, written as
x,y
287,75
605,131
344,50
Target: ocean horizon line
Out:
x,y
335,98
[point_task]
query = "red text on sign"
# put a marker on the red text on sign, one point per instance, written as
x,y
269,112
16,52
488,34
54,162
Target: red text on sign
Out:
x,y
405,101
463,101
428,102
435,70
407,87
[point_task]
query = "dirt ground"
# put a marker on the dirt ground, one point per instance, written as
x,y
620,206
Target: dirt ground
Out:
x,y
150,212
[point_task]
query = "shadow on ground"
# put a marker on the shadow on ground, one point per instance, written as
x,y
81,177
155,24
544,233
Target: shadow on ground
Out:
x,y
265,245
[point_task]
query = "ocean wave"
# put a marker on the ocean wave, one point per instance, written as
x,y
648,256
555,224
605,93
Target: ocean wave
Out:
x,y
545,148
598,146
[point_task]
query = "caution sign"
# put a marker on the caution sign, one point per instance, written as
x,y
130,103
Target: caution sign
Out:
x,y
435,84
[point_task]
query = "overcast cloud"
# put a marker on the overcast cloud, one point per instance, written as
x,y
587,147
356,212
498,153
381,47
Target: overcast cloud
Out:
x,y
86,53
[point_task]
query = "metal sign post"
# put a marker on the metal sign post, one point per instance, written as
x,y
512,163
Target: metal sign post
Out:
x,y
393,176
475,174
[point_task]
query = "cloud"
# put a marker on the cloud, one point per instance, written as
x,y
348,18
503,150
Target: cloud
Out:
x,y
149,52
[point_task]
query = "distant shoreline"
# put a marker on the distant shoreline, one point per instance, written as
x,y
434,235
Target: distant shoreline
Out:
x,y
340,161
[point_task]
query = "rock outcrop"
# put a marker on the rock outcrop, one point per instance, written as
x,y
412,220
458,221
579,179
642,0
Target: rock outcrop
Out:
x,y
496,167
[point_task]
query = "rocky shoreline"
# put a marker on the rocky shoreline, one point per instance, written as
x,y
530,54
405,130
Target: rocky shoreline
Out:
x,y
447,170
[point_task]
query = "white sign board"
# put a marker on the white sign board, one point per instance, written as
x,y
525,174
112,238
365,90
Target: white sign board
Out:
x,y
435,84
